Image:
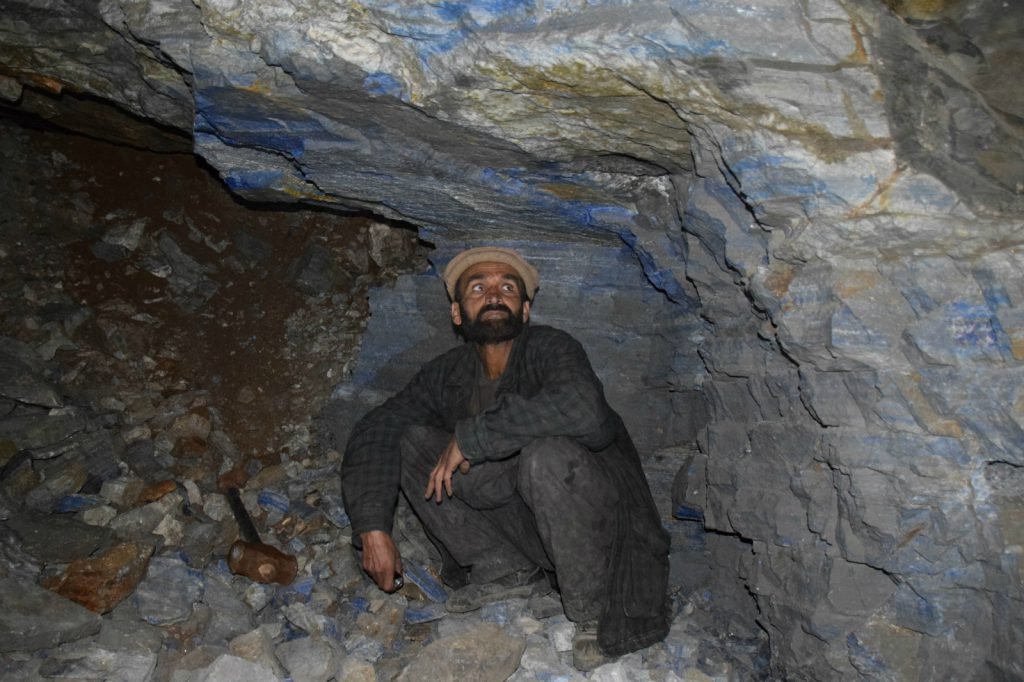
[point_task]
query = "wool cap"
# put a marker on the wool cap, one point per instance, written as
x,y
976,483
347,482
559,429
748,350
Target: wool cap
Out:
x,y
490,254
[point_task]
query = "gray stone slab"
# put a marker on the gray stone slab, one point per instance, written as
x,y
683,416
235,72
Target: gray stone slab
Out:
x,y
40,430
487,653
57,539
168,592
308,659
34,618
227,667
95,662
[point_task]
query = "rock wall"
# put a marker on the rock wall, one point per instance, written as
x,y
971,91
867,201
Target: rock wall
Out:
x,y
826,197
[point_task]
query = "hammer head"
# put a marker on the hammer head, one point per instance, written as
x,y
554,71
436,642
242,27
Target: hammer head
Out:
x,y
262,563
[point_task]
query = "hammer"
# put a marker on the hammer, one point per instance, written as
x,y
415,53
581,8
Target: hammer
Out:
x,y
251,557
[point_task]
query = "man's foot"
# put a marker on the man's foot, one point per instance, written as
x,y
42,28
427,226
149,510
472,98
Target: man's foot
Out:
x,y
522,583
586,653
454,576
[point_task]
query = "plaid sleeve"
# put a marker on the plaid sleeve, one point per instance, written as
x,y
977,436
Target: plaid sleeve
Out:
x,y
371,469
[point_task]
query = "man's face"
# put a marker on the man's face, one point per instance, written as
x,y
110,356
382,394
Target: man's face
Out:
x,y
490,308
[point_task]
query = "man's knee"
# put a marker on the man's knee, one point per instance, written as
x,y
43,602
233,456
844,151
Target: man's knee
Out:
x,y
550,459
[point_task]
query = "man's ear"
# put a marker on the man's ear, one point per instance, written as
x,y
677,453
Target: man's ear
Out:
x,y
526,311
456,315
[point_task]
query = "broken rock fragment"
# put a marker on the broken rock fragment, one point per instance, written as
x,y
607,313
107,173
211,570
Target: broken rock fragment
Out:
x,y
484,653
169,591
102,582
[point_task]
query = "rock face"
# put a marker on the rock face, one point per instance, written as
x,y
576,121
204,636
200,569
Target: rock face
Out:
x,y
808,215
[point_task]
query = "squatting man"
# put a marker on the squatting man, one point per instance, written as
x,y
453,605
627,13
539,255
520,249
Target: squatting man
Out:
x,y
523,477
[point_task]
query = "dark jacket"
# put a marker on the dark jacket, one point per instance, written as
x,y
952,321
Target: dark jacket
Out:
x,y
548,389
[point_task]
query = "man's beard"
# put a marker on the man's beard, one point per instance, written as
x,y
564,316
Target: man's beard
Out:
x,y
494,330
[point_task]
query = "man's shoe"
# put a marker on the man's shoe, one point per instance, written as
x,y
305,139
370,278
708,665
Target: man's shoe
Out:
x,y
586,653
454,576
525,582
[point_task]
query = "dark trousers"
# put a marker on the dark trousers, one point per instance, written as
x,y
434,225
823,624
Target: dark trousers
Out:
x,y
552,505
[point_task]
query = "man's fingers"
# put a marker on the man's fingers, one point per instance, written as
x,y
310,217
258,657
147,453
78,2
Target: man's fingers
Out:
x,y
441,475
386,579
440,479
430,483
433,486
442,484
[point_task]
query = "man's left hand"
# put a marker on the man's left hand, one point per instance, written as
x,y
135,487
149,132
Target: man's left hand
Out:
x,y
441,477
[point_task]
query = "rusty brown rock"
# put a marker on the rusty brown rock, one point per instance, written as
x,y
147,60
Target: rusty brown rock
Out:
x,y
102,582
154,492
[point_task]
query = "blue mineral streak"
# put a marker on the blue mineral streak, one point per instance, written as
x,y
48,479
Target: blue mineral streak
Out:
x,y
662,279
433,29
271,500
415,614
685,512
767,178
243,118
418,575
73,503
380,83
679,39
333,509
975,330
528,185
849,332
243,180
866,661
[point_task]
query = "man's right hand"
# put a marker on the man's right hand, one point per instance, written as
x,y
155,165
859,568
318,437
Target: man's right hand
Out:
x,y
381,560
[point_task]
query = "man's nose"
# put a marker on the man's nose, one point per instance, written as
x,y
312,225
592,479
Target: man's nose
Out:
x,y
493,294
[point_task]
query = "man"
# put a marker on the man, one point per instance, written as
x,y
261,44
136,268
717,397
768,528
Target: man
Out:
x,y
518,469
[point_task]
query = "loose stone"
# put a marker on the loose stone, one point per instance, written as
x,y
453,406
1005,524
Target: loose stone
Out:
x,y
169,591
487,653
102,582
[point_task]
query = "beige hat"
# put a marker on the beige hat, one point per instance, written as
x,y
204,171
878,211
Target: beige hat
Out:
x,y
490,254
